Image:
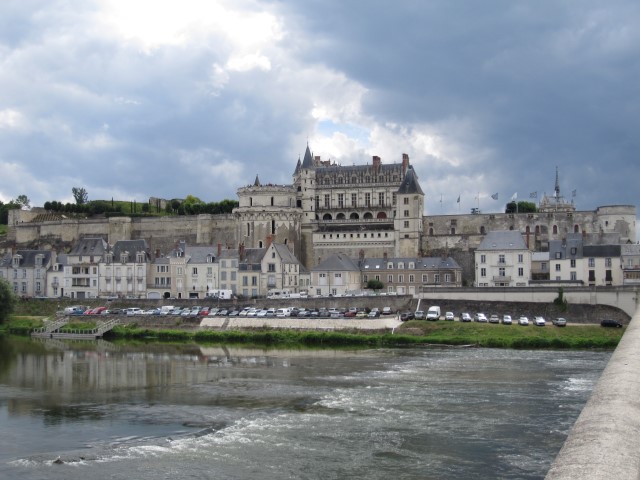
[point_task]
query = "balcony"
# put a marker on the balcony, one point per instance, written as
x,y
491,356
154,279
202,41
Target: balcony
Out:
x,y
501,279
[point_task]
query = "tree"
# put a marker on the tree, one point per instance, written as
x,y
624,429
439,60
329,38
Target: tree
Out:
x,y
23,201
374,284
521,207
80,195
7,300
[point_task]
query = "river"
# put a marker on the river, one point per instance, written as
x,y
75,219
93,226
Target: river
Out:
x,y
154,411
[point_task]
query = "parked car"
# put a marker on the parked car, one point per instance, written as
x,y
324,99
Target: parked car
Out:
x,y
418,315
374,314
361,314
480,317
539,321
449,316
524,321
494,318
386,311
404,316
610,323
465,317
506,320
559,322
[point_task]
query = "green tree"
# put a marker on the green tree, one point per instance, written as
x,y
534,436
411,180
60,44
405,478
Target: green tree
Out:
x,y
7,300
23,201
374,284
80,195
521,207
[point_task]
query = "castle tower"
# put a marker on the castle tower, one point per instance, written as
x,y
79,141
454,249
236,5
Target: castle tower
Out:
x,y
304,184
266,213
408,216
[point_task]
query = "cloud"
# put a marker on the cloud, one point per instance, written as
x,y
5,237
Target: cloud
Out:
x,y
155,98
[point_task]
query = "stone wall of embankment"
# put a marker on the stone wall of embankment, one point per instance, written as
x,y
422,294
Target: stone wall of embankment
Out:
x,y
603,443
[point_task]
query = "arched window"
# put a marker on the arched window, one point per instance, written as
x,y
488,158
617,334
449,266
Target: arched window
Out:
x,y
260,244
354,216
272,201
453,231
527,230
482,230
251,201
555,229
326,216
576,229
340,216
431,231
299,203
368,215
381,215
537,229
354,179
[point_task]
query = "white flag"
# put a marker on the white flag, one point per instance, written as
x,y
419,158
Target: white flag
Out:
x,y
514,196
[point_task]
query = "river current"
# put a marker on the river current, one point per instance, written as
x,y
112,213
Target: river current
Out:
x,y
99,410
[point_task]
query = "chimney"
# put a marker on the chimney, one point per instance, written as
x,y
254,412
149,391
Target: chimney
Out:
x,y
219,249
269,240
376,162
241,251
405,162
385,256
361,254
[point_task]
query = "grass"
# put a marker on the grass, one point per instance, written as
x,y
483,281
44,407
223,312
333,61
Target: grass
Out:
x,y
516,336
413,333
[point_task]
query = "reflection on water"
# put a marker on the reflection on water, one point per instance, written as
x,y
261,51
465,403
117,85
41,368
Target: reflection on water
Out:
x,y
136,411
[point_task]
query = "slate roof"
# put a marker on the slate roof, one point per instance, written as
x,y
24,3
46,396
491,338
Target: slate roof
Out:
x,y
285,254
501,240
130,246
338,262
89,246
601,250
308,158
410,183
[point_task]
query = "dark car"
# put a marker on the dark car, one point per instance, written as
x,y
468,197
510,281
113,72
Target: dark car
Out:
x,y
610,323
406,316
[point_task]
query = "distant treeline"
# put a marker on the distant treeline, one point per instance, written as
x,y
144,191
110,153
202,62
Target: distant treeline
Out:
x,y
113,207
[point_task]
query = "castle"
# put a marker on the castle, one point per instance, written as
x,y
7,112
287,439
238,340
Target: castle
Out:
x,y
376,209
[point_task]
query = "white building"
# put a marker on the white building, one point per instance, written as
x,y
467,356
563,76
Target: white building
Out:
x,y
503,260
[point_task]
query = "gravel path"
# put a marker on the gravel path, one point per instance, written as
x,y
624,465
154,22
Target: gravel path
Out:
x,y
233,323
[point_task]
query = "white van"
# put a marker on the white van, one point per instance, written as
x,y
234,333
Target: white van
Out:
x,y
433,313
283,312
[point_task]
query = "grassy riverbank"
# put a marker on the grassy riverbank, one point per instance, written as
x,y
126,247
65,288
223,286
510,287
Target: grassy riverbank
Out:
x,y
414,333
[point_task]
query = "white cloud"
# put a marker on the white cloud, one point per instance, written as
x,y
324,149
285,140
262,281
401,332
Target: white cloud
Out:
x,y
12,119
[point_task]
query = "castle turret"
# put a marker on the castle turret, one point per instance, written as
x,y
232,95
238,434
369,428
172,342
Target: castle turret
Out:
x,y
408,216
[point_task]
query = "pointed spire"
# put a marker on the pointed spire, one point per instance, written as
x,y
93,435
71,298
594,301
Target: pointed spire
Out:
x,y
308,158
298,167
410,183
257,182
557,187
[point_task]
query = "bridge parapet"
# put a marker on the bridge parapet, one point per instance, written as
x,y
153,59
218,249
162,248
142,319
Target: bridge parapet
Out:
x,y
603,443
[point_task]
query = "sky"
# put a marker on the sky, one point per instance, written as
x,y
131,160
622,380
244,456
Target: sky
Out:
x,y
132,99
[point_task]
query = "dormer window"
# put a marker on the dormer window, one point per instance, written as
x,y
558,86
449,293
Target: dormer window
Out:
x,y
390,265
140,257
108,258
124,257
16,260
39,260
